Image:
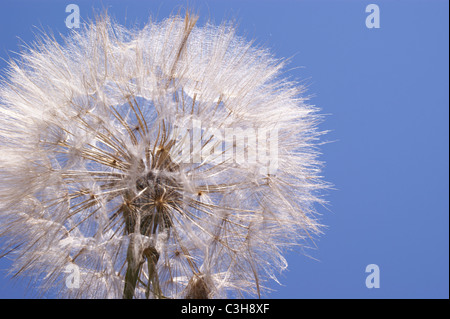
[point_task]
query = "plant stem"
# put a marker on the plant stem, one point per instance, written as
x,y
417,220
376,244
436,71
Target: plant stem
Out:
x,y
134,261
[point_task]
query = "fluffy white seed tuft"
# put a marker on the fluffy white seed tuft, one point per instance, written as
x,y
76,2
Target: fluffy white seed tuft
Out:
x,y
167,162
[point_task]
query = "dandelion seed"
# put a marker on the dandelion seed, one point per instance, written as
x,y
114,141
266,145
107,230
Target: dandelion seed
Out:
x,y
111,161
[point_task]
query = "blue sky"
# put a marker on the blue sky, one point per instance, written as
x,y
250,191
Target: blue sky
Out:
x,y
385,93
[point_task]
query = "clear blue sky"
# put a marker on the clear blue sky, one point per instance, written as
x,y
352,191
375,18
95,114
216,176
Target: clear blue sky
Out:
x,y
386,93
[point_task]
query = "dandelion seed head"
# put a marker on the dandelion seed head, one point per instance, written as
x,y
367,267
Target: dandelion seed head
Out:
x,y
113,159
